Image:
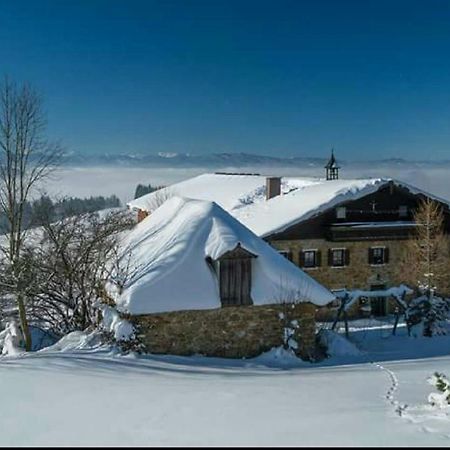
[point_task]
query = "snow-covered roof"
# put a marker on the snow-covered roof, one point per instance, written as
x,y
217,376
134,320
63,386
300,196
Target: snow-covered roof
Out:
x,y
283,211
244,197
225,190
169,251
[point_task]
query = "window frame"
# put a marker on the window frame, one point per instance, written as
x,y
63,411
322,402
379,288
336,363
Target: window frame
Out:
x,y
314,252
343,258
403,211
374,258
341,212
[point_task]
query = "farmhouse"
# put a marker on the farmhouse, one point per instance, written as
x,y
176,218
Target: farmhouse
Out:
x,y
203,283
346,233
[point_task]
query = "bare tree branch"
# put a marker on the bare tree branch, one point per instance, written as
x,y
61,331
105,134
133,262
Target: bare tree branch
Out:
x,y
26,158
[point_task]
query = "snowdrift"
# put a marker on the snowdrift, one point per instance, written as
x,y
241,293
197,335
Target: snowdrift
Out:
x,y
169,250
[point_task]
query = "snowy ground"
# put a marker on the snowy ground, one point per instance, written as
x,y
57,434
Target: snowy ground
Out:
x,y
94,397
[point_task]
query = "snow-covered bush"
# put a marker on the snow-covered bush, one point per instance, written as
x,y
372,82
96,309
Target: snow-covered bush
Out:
x,y
427,316
289,331
121,329
439,399
288,299
11,338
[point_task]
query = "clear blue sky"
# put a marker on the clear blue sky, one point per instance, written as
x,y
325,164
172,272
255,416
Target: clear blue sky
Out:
x,y
371,78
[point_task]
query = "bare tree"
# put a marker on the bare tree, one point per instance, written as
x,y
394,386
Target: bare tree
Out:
x,y
26,158
426,259
426,266
122,268
71,265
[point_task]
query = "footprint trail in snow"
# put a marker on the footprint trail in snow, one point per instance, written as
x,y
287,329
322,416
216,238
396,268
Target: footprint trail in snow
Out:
x,y
399,408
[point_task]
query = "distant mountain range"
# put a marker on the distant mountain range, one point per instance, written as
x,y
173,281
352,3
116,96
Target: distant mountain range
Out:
x,y
215,160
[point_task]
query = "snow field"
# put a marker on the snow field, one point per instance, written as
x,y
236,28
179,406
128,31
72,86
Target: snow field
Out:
x,y
80,398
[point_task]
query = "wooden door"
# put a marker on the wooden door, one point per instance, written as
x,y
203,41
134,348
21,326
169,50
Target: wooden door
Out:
x,y
378,304
235,281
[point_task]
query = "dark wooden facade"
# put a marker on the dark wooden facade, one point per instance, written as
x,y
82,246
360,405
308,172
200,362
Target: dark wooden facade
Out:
x,y
235,277
382,215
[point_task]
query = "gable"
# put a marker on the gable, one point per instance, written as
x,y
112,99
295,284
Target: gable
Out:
x,y
237,253
381,206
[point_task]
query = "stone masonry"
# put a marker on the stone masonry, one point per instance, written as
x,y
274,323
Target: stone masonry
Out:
x,y
232,332
359,274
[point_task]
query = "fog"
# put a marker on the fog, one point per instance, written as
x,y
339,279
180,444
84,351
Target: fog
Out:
x,y
84,182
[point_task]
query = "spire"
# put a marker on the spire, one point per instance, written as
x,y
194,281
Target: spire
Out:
x,y
332,168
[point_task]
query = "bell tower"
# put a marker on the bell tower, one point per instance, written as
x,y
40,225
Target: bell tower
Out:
x,y
332,167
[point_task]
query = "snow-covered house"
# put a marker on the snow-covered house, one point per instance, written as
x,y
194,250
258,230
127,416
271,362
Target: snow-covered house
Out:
x,y
189,262
346,233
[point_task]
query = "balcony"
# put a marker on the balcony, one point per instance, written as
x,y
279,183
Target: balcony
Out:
x,y
367,231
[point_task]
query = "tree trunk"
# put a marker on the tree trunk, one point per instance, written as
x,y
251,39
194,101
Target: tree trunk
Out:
x,y
24,323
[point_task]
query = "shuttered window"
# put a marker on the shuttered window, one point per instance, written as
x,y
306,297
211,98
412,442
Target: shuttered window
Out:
x,y
310,258
378,256
338,257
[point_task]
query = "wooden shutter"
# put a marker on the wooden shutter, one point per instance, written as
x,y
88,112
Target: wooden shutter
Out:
x,y
386,255
301,259
346,257
330,257
370,255
318,258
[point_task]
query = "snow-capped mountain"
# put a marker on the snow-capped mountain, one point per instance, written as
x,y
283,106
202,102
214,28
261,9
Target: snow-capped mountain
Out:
x,y
215,160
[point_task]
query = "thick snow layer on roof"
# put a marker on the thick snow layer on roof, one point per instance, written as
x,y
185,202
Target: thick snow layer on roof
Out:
x,y
170,272
283,211
225,190
279,213
230,191
243,196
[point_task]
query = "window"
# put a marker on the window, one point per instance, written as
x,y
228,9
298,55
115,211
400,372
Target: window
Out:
x,y
403,211
309,258
338,257
341,212
378,255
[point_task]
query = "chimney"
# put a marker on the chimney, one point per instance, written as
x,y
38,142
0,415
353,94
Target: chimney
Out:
x,y
141,215
273,187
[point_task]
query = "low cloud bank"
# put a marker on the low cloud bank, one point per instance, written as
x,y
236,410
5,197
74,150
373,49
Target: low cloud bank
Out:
x,y
122,181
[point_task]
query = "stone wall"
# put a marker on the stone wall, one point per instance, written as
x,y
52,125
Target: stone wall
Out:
x,y
359,274
232,332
